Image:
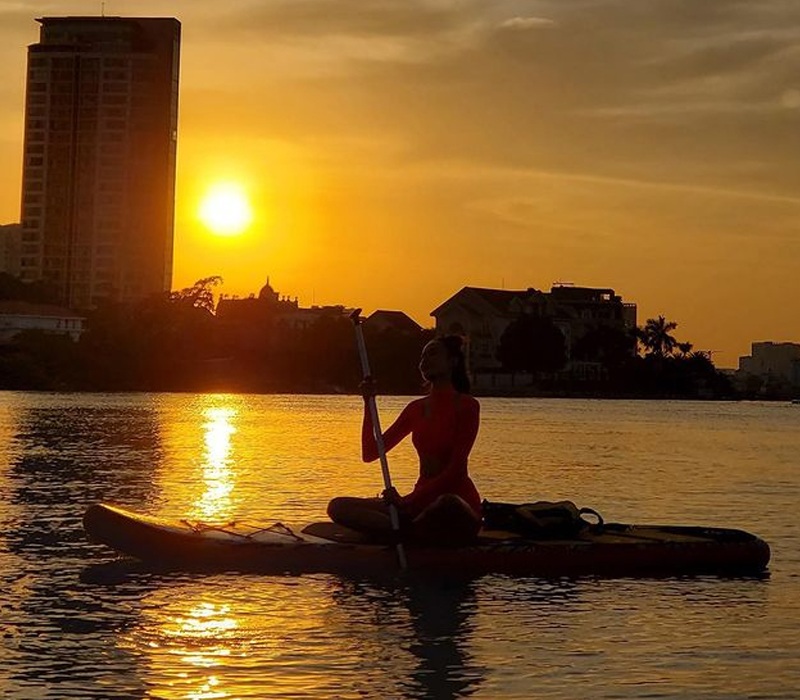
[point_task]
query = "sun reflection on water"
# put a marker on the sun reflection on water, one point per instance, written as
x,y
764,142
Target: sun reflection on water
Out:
x,y
190,644
215,503
246,637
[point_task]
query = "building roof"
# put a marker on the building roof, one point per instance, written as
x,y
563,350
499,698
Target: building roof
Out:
x,y
397,320
506,302
27,308
498,299
583,294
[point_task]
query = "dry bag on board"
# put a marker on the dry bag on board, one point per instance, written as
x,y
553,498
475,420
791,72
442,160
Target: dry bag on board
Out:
x,y
540,519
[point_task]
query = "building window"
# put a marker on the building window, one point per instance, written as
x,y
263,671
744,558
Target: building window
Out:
x,y
62,88
115,87
61,100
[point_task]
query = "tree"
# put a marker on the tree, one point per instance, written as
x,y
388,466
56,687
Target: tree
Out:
x,y
606,344
656,338
157,343
200,295
532,344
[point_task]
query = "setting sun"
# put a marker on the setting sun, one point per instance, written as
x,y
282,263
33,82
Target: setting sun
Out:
x,y
225,210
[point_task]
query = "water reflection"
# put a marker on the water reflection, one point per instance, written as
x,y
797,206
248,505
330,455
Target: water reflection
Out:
x,y
441,618
323,636
243,637
183,637
172,635
434,618
218,478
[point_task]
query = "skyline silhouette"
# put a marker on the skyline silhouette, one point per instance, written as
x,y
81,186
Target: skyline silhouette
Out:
x,y
395,153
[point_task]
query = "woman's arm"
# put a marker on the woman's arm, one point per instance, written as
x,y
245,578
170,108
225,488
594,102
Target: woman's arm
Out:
x,y
396,432
456,469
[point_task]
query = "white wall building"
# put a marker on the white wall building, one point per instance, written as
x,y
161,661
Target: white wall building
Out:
x,y
19,316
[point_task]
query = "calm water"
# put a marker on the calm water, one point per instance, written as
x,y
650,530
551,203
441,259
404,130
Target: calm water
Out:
x,y
68,633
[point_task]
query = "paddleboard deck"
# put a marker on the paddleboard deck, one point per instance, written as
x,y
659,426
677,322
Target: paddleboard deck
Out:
x,y
614,549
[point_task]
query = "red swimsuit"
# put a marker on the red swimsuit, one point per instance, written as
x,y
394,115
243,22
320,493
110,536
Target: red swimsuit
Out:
x,y
443,428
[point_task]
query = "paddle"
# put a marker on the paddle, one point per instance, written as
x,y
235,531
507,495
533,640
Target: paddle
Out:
x,y
394,516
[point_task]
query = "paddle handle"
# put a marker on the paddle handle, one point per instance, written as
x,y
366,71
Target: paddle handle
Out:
x,y
372,407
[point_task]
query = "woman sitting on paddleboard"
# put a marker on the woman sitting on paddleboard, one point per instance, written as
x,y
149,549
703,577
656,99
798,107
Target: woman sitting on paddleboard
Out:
x,y
444,507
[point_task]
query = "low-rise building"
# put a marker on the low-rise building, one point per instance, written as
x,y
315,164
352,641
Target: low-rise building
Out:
x,y
269,308
19,316
482,316
773,362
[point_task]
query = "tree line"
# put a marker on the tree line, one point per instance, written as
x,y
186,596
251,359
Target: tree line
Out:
x,y
174,342
643,361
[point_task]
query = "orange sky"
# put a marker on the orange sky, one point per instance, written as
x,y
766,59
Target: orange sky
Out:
x,y
397,150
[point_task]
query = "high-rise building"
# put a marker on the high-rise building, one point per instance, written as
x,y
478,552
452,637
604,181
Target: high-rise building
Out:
x,y
98,190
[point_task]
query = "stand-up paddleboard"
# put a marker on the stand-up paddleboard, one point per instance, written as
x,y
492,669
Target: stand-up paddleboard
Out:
x,y
611,549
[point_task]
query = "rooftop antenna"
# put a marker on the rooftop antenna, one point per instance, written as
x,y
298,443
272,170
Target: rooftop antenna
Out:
x,y
102,9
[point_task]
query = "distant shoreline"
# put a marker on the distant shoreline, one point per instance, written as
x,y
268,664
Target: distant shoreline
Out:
x,y
479,394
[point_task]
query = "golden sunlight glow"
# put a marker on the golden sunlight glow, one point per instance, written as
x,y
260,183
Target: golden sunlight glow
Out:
x,y
215,503
225,209
206,639
190,642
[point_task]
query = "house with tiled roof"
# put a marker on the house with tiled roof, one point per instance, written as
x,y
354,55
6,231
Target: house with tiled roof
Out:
x,y
19,316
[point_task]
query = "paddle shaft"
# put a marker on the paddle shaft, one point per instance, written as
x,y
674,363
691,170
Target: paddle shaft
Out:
x,y
372,407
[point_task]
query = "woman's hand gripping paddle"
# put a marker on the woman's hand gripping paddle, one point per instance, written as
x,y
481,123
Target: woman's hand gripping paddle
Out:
x,y
372,407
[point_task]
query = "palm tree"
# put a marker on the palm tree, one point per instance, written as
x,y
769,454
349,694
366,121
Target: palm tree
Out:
x,y
656,338
685,350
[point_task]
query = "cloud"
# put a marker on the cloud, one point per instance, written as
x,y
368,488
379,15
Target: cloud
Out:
x,y
364,18
790,98
669,90
524,23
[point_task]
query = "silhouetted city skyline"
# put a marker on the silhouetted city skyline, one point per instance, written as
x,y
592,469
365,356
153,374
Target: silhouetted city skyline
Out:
x,y
387,163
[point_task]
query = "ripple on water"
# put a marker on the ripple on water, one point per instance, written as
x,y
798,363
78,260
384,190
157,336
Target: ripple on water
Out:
x,y
76,626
